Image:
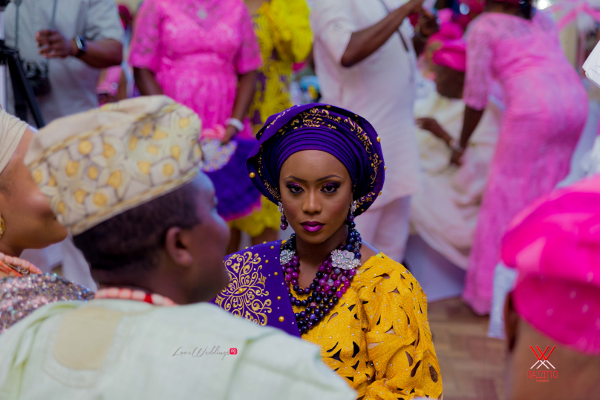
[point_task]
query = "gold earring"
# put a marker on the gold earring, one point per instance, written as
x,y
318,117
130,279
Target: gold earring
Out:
x,y
2,227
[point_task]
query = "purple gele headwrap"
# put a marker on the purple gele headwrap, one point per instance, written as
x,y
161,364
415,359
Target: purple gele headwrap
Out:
x,y
345,135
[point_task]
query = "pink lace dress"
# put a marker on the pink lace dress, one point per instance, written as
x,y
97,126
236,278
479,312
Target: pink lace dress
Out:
x,y
196,49
546,109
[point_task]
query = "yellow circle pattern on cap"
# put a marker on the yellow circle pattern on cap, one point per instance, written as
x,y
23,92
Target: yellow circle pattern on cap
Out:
x,y
98,164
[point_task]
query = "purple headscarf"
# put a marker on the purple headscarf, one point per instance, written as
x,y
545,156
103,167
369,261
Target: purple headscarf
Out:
x,y
345,135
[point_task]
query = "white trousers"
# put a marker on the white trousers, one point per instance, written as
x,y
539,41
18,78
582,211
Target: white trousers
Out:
x,y
387,228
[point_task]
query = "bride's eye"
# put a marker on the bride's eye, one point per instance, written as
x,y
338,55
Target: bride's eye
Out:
x,y
331,187
294,188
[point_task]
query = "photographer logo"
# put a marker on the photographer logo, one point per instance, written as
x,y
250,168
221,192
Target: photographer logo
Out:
x,y
542,375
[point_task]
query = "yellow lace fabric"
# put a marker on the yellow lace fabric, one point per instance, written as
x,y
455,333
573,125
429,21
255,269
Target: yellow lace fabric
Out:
x,y
378,337
254,224
285,38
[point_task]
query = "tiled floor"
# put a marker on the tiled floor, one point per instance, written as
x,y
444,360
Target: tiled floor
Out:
x,y
472,364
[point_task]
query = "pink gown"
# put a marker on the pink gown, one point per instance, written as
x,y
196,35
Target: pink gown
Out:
x,y
546,109
196,50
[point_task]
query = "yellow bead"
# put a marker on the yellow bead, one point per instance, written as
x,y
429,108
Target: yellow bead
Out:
x,y
240,290
278,297
272,247
384,167
266,261
378,139
380,193
275,273
281,319
252,175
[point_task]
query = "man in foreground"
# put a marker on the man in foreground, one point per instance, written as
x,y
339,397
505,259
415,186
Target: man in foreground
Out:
x,y
125,179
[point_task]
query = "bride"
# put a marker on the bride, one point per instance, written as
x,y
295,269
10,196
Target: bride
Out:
x,y
323,166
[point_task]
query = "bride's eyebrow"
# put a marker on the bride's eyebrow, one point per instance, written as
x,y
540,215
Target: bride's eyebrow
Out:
x,y
328,177
295,178
318,180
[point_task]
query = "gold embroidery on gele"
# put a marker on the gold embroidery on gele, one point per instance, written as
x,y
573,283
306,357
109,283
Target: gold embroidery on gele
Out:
x,y
318,117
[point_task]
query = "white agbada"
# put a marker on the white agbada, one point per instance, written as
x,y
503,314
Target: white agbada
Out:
x,y
120,349
380,88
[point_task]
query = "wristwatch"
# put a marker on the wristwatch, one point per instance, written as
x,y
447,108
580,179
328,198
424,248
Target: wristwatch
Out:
x,y
81,46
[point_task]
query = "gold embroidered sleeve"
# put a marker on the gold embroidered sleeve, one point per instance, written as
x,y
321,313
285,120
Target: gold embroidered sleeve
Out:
x,y
399,342
245,295
290,27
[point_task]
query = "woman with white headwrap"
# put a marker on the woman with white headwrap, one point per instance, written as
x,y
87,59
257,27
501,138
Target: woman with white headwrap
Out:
x,y
26,222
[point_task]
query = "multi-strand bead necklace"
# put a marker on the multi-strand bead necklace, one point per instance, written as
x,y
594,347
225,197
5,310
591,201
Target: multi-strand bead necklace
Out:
x,y
333,279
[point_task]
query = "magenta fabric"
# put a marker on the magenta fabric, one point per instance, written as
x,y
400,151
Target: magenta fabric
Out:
x,y
546,109
475,6
452,54
555,247
448,31
196,49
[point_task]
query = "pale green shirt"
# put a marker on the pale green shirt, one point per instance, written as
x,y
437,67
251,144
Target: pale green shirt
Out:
x,y
117,349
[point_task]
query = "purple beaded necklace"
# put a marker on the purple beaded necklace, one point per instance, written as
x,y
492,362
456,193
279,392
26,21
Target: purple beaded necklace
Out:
x,y
332,281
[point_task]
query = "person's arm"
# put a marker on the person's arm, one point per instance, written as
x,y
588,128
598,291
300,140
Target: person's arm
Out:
x,y
122,92
478,79
426,27
146,82
247,62
243,99
365,42
470,122
431,125
146,48
100,54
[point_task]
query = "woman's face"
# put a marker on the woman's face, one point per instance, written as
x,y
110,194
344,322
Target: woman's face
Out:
x,y
29,220
449,82
316,193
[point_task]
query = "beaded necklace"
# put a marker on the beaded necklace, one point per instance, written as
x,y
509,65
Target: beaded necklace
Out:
x,y
136,295
333,279
13,266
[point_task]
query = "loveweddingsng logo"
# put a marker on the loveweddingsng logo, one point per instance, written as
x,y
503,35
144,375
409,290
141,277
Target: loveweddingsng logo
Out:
x,y
542,361
200,352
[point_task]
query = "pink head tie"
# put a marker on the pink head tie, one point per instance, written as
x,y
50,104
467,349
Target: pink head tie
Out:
x,y
448,31
555,247
452,54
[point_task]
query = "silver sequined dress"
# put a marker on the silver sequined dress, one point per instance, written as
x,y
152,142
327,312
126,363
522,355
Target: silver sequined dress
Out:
x,y
21,296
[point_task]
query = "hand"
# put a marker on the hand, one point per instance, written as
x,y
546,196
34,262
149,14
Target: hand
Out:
x,y
457,157
431,125
230,132
427,24
415,6
52,44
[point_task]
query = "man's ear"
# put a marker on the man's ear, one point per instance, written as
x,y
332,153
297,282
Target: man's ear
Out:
x,y
177,242
511,322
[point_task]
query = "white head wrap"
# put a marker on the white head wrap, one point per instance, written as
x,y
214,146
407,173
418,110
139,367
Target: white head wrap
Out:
x,y
11,132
